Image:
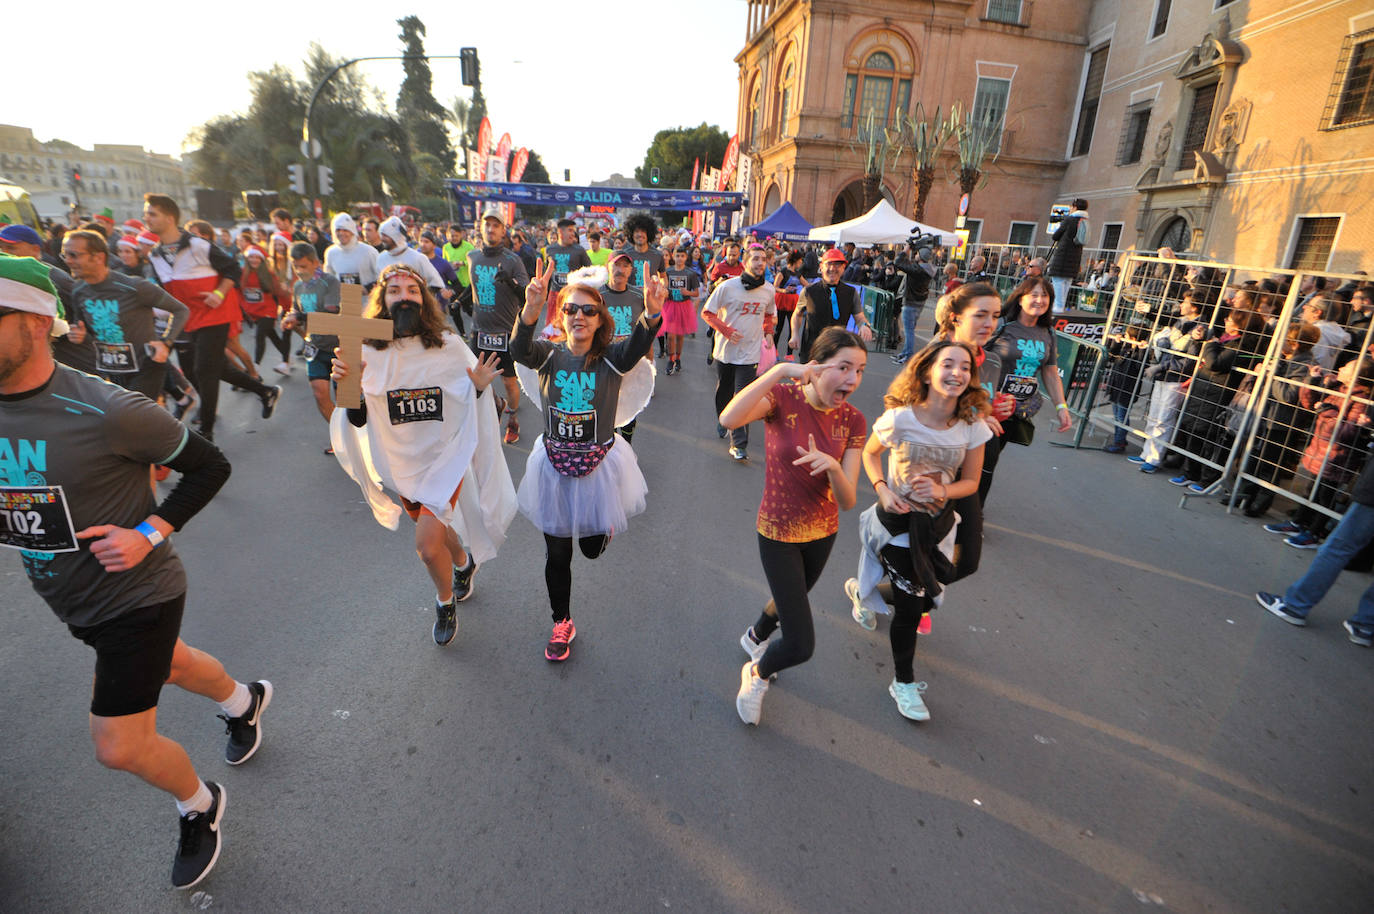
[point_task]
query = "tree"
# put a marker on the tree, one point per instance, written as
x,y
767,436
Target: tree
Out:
x,y
975,142
420,113
674,151
928,141
536,173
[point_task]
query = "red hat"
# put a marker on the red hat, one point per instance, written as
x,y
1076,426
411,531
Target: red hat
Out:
x,y
253,250
616,255
148,238
835,255
134,226
283,238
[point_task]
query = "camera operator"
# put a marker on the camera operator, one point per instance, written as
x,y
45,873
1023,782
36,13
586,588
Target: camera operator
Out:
x,y
920,273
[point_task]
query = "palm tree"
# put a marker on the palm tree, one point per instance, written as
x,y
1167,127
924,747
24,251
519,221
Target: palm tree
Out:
x,y
929,139
976,141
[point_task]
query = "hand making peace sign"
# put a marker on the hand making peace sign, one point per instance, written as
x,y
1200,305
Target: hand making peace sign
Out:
x,y
537,290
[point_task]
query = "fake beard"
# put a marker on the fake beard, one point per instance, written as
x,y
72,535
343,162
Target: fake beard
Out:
x,y
405,318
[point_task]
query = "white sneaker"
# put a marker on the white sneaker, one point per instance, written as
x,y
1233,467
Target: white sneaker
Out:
x,y
282,368
866,617
755,650
749,701
908,698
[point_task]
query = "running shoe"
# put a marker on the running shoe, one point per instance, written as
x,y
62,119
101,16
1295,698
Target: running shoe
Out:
x,y
1303,540
462,580
1137,460
445,623
1274,603
749,700
245,731
1147,467
198,846
867,618
180,407
1115,448
755,649
512,430
1198,488
282,368
739,453
1362,635
1182,481
908,698
269,401
1286,528
560,642
720,431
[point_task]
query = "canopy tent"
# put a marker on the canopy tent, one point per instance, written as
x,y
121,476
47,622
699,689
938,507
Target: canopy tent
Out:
x,y
785,223
880,225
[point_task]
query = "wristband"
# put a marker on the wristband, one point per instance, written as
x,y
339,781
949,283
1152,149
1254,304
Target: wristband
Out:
x,y
217,294
153,535
880,482
1062,406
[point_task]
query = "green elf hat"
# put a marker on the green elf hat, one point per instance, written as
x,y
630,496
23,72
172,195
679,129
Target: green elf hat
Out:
x,y
25,286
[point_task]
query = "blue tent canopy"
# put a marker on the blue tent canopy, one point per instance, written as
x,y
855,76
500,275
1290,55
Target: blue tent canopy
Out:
x,y
785,223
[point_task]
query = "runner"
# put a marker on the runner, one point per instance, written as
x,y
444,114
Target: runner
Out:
x,y
582,481
595,252
567,255
828,303
648,261
935,430
427,440
680,311
498,276
94,545
625,304
814,438
740,311
348,258
315,290
259,289
397,249
119,314
202,277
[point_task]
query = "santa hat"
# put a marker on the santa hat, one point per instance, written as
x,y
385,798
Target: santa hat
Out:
x,y
134,226
254,251
106,215
148,238
25,286
283,238
127,241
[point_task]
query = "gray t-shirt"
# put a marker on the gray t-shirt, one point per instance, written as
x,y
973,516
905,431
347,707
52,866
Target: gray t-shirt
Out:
x,y
682,282
645,264
1023,353
120,320
625,307
565,260
496,302
320,293
73,454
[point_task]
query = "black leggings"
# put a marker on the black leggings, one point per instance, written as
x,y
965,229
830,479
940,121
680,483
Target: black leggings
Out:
x,y
991,451
558,555
792,569
968,539
266,329
205,364
907,609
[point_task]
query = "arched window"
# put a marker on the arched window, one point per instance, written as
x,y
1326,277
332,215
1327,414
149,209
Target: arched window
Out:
x,y
751,115
785,87
876,87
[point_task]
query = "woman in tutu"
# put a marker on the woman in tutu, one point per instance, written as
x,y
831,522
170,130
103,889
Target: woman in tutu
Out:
x,y
680,310
582,480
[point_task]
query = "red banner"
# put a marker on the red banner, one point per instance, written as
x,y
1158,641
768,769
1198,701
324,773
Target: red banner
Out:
x,y
518,164
696,168
503,149
727,167
484,137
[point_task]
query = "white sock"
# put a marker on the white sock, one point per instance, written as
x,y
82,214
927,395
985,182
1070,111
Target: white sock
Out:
x,y
237,704
466,565
441,601
200,801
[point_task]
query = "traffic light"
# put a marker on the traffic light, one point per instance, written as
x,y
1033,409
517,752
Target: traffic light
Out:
x,y
467,59
654,177
326,180
297,173
74,178
567,174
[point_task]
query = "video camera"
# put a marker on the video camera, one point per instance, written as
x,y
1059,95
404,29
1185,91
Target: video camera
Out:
x,y
923,240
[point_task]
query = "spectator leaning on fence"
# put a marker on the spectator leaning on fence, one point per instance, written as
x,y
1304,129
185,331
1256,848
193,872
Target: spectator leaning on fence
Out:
x,y
1066,257
1284,429
1317,309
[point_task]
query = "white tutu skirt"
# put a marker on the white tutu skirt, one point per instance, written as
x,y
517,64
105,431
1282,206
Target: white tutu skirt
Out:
x,y
603,501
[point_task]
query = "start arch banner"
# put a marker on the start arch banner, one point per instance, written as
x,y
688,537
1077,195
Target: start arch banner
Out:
x,y
617,197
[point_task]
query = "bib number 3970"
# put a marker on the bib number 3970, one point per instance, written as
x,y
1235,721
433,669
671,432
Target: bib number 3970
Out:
x,y
36,519
424,404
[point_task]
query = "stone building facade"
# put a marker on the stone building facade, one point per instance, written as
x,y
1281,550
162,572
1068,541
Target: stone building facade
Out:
x,y
1230,129
112,176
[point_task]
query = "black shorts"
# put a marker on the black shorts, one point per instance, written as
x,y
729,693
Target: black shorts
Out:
x,y
505,362
147,380
133,657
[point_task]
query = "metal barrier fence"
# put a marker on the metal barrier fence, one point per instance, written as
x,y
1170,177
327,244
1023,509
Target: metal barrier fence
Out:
x,y
1004,264
1237,404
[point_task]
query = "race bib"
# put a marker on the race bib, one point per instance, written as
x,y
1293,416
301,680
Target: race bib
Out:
x,y
566,426
252,295
492,342
116,358
350,278
308,351
424,404
36,519
1022,387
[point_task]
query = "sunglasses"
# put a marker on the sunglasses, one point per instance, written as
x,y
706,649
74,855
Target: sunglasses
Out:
x,y
573,308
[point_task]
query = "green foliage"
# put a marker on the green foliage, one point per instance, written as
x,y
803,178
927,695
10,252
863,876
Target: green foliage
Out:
x,y
420,113
673,152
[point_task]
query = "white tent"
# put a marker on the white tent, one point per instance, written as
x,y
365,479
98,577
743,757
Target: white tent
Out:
x,y
880,225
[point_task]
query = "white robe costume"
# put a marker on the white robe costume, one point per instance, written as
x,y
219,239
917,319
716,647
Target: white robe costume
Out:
x,y
424,460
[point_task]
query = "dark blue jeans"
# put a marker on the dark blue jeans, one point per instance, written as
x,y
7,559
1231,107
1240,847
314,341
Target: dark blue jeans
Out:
x,y
1351,535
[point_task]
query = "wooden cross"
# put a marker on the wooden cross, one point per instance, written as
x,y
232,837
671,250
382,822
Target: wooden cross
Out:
x,y
351,328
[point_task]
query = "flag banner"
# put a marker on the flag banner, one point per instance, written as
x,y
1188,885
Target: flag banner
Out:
x,y
619,197
503,147
484,136
519,163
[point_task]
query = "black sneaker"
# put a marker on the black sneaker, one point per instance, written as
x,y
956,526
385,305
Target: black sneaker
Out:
x,y
269,402
446,625
245,731
462,580
198,847
1359,634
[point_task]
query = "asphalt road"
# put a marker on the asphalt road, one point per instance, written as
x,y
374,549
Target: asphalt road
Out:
x,y
1116,724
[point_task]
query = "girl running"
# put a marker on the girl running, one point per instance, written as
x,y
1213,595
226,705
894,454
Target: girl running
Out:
x,y
814,437
582,480
680,311
935,430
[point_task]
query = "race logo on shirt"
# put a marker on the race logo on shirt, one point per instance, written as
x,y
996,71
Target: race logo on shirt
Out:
x,y
622,315
103,316
576,390
484,284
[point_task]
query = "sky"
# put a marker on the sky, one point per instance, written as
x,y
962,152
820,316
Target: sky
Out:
x,y
587,92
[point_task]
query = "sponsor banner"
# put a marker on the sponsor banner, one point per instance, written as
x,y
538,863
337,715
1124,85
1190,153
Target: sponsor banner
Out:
x,y
503,147
727,167
477,168
484,136
519,163
498,190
